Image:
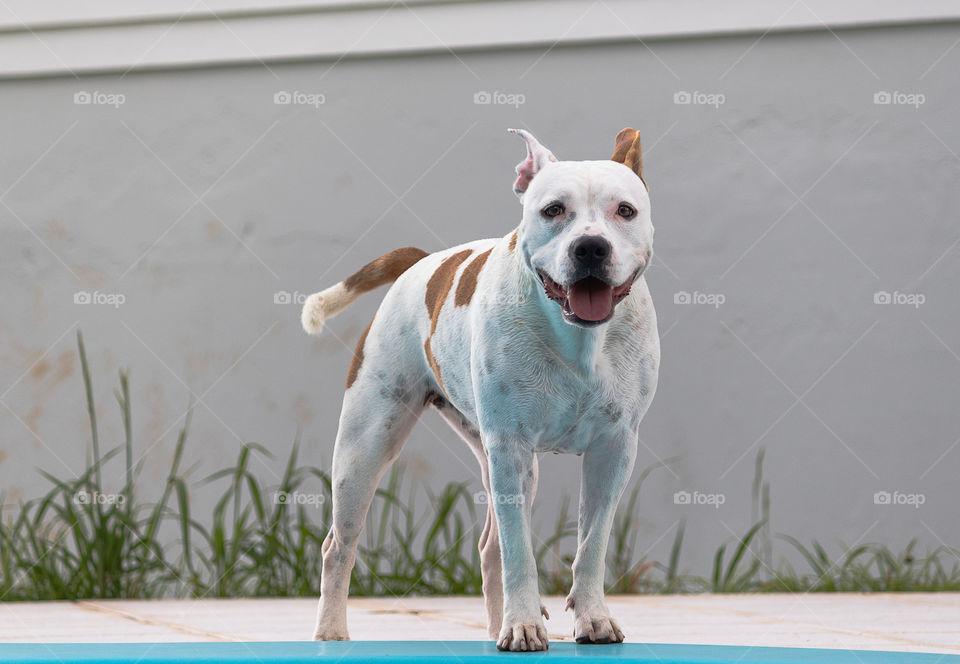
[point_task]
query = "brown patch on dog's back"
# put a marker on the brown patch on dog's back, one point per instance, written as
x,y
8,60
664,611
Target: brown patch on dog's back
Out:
x,y
468,280
383,270
513,241
438,287
434,366
357,360
374,274
440,283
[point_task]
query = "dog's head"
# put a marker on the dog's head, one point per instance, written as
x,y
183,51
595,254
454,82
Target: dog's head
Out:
x,y
586,232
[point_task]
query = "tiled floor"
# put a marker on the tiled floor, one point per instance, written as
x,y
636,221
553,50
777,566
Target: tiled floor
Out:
x,y
917,621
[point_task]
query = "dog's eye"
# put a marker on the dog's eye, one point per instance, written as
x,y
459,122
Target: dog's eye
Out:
x,y
552,210
626,211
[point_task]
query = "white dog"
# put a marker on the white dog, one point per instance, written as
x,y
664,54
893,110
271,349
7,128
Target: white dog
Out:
x,y
542,340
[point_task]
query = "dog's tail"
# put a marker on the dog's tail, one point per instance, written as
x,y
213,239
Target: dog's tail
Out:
x,y
384,270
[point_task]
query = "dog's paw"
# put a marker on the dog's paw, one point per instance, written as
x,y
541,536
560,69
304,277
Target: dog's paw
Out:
x,y
523,637
313,315
330,635
597,629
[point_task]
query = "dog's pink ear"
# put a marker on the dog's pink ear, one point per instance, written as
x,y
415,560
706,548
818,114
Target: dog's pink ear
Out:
x,y
537,157
627,151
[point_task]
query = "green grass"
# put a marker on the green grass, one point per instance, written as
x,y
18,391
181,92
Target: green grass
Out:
x,y
67,545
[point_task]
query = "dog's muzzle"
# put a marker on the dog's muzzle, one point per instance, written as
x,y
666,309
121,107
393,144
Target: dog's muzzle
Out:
x,y
589,301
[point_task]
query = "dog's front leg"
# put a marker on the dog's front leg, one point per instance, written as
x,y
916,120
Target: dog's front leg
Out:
x,y
512,478
606,468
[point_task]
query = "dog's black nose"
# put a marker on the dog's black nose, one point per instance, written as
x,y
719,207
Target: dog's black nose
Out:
x,y
590,250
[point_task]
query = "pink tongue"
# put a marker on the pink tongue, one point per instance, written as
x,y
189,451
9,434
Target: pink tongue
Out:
x,y
590,299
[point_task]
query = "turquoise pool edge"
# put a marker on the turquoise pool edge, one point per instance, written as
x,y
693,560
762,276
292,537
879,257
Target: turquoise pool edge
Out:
x,y
465,652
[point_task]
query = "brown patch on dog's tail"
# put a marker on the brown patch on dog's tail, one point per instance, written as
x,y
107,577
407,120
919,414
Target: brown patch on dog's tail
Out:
x,y
384,270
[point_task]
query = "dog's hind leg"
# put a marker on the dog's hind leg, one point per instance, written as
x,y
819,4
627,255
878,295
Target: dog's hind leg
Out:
x,y
491,567
379,411
491,564
491,561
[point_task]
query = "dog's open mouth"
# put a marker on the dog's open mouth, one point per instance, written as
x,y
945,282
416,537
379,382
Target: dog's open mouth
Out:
x,y
589,301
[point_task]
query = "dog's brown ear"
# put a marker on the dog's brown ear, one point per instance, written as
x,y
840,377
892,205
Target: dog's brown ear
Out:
x,y
627,151
537,157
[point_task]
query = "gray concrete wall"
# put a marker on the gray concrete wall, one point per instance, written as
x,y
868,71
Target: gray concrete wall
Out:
x,y
794,202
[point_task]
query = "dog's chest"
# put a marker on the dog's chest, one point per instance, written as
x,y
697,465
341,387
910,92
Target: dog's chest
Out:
x,y
574,414
527,389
